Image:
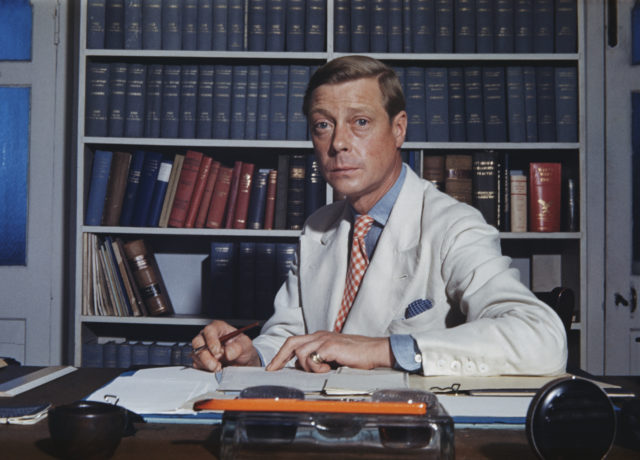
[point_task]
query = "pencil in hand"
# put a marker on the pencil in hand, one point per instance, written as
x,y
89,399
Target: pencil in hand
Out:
x,y
229,336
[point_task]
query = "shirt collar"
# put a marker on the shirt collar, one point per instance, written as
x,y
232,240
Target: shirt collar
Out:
x,y
382,209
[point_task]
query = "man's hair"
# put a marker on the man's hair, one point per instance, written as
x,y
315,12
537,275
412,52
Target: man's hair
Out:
x,y
349,68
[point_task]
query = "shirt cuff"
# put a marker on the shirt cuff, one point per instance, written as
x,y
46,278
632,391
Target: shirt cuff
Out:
x,y
406,353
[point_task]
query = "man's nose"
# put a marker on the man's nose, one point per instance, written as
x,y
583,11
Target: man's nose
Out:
x,y
340,140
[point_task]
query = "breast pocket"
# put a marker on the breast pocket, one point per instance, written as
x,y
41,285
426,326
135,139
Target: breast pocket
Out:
x,y
420,315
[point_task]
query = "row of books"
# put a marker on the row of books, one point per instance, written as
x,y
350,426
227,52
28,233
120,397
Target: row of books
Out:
x,y
491,103
513,200
204,101
233,25
132,354
460,26
193,190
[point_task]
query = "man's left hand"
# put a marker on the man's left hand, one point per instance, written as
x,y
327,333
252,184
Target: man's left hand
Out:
x,y
317,352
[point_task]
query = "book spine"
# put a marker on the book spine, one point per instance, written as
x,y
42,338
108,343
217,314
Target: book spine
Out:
x,y
566,99
294,25
215,215
295,192
257,25
95,24
270,200
458,177
504,26
139,354
635,34
148,179
205,25
240,75
515,104
485,185
251,121
184,190
245,280
494,103
566,26
465,26
342,25
523,26
264,92
257,201
379,31
423,25
110,354
207,195
285,258
188,101
205,101
571,223
394,42
190,25
98,186
116,188
505,192
359,26
265,287
433,170
543,28
133,24
296,120
153,101
546,104
276,15
437,104
170,195
222,100
416,104
444,27
474,110
114,24
198,191
530,103
133,182
220,31
148,278
170,120
455,80
233,194
280,219
545,205
485,26
222,265
314,186
123,355
117,90
152,24
159,192
171,24
278,102
134,119
518,187
407,44
97,100
315,31
235,25
159,355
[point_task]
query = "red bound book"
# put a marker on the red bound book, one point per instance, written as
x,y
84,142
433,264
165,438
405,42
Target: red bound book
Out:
x,y
219,198
198,191
201,218
545,203
270,205
186,183
233,194
244,192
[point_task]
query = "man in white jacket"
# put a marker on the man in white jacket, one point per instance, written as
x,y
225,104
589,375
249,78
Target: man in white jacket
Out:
x,y
437,296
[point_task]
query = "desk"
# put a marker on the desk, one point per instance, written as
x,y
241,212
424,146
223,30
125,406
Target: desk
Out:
x,y
172,441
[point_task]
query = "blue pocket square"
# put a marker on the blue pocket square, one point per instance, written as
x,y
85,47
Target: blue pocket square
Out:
x,y
416,307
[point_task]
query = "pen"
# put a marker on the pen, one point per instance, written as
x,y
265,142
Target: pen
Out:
x,y
230,335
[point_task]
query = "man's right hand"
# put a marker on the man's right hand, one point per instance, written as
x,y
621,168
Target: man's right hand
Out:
x,y
238,351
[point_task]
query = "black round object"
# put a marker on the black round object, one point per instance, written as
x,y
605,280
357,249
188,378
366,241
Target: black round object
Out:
x,y
571,418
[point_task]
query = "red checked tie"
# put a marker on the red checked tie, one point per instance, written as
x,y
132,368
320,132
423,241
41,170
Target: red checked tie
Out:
x,y
357,266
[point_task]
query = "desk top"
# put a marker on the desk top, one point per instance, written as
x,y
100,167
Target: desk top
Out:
x,y
162,441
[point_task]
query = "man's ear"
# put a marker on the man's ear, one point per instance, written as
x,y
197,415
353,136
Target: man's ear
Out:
x,y
399,127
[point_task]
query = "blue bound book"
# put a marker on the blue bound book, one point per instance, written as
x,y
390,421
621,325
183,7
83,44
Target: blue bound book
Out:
x,y
238,121
295,192
503,26
457,129
523,26
546,104
221,273
153,101
265,279
294,25
251,122
204,32
188,101
98,186
316,25
444,26
416,104
314,186
220,31
171,24
264,94
133,182
484,25
515,104
423,26
139,354
114,24
123,355
152,24
342,25
245,280
95,24
170,120
159,354
543,29
285,258
117,89
566,81
474,111
495,104
379,26
296,121
437,101
275,38
186,351
566,26
148,177
92,354
464,19
407,43
205,101
530,103
360,26
135,99
176,354
159,191
97,100
394,43
235,25
257,25
133,24
190,25
278,101
257,199
222,100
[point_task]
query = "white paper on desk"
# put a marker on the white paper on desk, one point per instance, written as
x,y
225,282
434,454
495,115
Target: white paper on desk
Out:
x,y
348,381
237,378
156,390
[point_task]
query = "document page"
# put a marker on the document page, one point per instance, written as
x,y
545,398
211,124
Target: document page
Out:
x,y
238,378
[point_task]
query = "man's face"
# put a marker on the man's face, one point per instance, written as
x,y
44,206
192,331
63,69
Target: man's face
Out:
x,y
356,144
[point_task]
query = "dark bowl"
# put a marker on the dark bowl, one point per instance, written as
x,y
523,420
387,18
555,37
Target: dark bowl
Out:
x,y
86,429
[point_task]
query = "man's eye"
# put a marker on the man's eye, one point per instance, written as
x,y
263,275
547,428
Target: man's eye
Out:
x,y
321,125
361,122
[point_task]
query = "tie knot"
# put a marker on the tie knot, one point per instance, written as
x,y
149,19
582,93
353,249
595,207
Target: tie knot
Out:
x,y
362,226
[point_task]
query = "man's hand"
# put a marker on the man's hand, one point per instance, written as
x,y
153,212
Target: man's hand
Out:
x,y
345,350
238,351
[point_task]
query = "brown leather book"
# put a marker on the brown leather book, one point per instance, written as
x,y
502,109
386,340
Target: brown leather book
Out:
x,y
433,170
116,187
270,205
148,278
198,191
233,194
220,197
458,173
186,184
545,205
201,218
128,280
244,193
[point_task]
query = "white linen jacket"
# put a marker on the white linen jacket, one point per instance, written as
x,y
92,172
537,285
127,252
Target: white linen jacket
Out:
x,y
483,320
